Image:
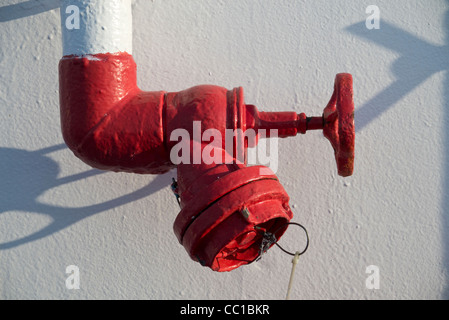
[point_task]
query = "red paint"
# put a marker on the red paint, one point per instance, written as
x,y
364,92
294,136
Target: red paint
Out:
x,y
339,126
106,120
221,206
110,124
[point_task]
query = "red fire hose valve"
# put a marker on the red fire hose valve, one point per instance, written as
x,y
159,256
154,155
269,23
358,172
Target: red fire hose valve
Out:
x,y
109,123
224,206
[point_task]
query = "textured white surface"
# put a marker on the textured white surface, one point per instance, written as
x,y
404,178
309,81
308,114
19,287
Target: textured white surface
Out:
x,y
117,228
100,26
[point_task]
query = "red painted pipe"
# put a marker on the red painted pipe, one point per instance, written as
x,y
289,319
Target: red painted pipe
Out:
x,y
106,120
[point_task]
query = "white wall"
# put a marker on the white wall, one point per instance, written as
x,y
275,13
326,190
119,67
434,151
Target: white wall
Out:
x,y
117,228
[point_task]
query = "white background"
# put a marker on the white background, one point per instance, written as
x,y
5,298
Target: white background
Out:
x,y
117,228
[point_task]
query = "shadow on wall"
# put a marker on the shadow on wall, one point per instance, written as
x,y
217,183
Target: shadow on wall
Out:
x,y
25,175
28,174
418,61
26,9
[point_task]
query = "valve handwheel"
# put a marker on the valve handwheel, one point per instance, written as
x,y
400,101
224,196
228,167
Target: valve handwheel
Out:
x,y
337,123
339,126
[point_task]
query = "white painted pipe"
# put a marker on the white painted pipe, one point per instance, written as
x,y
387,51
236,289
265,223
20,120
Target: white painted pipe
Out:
x,y
96,26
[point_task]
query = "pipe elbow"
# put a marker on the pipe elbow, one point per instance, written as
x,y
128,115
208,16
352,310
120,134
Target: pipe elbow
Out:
x,y
106,120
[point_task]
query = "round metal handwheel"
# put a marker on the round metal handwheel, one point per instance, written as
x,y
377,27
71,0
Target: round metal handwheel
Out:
x,y
339,126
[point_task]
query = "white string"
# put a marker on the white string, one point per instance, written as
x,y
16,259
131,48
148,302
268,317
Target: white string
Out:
x,y
290,283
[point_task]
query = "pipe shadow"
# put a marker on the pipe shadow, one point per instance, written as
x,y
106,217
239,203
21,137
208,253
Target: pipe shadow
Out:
x,y
27,9
26,175
418,61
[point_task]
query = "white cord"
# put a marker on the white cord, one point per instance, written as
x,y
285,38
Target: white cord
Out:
x,y
294,262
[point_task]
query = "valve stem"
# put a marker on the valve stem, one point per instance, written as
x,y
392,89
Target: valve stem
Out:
x,y
288,124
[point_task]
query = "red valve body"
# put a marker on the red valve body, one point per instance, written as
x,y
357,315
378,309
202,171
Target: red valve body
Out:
x,y
111,124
